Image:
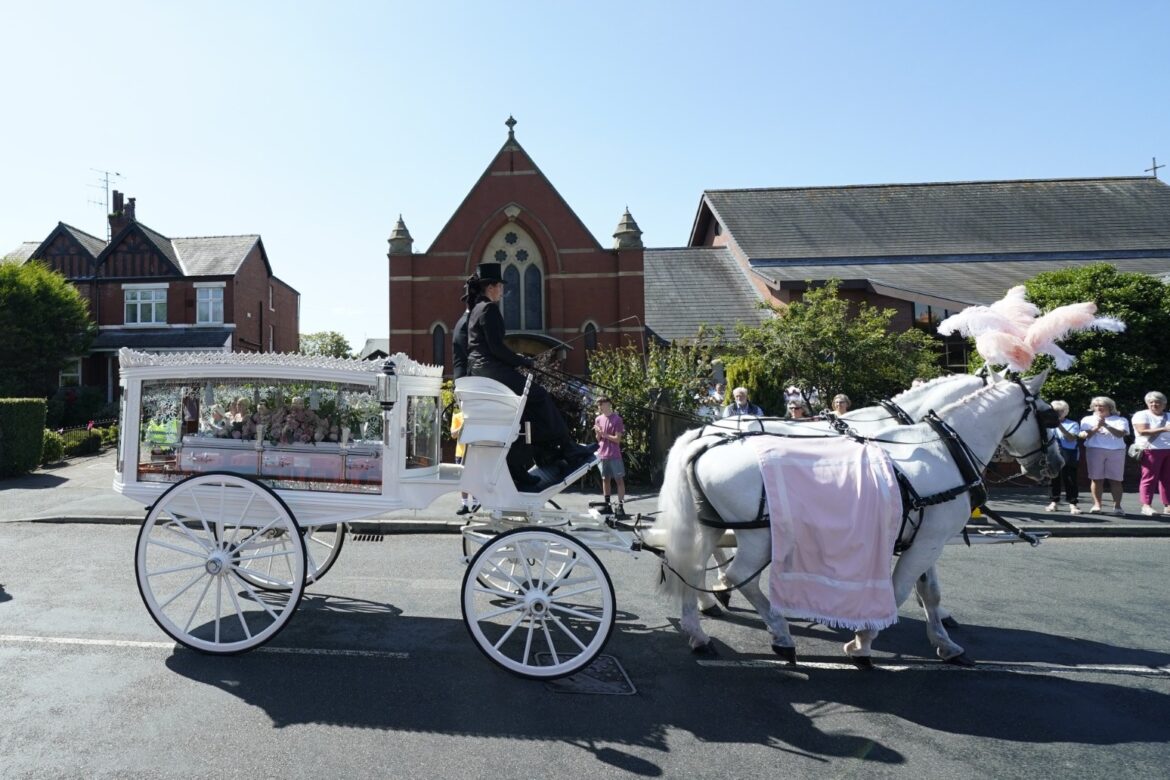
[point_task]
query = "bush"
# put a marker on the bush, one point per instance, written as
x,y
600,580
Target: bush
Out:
x,y
21,423
82,443
73,406
53,447
109,435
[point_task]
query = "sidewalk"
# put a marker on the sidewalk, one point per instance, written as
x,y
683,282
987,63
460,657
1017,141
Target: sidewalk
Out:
x,y
81,491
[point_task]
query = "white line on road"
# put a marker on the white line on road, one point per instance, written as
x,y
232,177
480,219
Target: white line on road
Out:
x,y
936,666
83,642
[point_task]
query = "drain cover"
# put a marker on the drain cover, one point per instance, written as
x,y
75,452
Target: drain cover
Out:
x,y
367,536
604,676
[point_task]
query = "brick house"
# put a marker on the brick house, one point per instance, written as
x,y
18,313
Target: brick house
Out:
x,y
158,294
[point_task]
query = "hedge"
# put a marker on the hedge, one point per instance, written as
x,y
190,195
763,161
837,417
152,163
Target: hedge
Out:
x,y
53,449
22,422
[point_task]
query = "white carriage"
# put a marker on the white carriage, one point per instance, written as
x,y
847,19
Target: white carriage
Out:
x,y
251,464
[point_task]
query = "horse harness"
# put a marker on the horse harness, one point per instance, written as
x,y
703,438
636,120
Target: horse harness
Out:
x,y
970,472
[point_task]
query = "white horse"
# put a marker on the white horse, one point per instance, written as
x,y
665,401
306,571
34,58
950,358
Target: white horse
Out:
x,y
1009,412
913,404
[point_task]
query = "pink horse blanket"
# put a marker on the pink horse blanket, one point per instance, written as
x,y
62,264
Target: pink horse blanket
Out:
x,y
835,510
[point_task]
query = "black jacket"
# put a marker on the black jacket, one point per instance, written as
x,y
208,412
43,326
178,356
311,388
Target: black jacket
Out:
x,y
459,346
486,353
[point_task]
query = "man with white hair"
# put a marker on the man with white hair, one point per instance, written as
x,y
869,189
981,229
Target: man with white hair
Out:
x,y
741,405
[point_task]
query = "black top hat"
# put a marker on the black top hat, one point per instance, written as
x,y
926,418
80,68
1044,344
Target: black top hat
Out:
x,y
489,273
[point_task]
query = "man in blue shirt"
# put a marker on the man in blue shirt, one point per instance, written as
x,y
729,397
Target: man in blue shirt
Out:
x,y
741,405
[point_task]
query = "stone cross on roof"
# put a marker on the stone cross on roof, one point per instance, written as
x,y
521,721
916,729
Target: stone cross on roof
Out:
x,y
511,123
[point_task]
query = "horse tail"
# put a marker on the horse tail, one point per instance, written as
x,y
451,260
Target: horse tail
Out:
x,y
678,517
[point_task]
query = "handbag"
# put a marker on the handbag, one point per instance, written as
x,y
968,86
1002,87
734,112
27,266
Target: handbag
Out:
x,y
1141,444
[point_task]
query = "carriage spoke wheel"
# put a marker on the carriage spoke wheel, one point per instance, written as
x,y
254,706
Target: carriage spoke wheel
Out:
x,y
323,544
199,554
538,603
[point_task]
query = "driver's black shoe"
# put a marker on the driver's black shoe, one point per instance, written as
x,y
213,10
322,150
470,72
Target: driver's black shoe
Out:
x,y
527,483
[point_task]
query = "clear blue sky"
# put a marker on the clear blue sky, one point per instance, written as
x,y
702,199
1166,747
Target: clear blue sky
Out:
x,y
316,124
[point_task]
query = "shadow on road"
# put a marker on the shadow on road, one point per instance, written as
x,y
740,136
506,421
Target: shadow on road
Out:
x,y
38,481
447,687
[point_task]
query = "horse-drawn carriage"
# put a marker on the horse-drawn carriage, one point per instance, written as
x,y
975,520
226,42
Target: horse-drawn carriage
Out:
x,y
251,465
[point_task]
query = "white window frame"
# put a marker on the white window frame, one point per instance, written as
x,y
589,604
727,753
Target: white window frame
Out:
x,y
136,291
71,370
207,288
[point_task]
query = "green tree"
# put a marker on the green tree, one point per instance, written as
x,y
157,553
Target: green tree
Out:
x,y
1124,366
816,345
659,389
326,343
44,321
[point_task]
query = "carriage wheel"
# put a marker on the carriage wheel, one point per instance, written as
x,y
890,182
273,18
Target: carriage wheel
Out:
x,y
323,544
538,603
473,541
196,557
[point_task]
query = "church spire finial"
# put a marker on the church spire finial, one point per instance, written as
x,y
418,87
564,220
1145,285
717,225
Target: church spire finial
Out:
x,y
511,123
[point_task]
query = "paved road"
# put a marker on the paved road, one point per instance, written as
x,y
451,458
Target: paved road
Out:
x,y
376,677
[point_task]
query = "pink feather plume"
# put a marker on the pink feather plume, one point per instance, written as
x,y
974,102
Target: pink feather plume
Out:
x,y
1017,308
1001,349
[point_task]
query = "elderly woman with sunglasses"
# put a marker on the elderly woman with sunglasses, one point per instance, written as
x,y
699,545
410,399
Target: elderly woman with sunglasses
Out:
x,y
1154,424
1104,432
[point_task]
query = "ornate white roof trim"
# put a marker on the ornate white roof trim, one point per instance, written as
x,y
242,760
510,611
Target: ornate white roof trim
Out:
x,y
403,365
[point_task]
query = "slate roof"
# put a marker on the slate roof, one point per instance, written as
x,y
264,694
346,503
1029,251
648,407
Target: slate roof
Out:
x,y
952,218
161,338
962,282
92,244
375,348
691,286
213,255
21,253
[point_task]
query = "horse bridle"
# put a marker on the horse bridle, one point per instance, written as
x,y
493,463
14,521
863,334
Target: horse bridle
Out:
x,y
1046,420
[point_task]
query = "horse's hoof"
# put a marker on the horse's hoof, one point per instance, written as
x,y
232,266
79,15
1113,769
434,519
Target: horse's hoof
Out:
x,y
788,654
962,659
950,622
863,662
722,596
711,611
706,649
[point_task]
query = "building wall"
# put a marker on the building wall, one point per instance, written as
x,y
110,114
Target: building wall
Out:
x,y
583,282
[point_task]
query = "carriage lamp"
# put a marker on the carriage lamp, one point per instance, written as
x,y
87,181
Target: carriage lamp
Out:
x,y
388,386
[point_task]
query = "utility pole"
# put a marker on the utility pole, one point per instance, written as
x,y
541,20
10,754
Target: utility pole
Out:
x,y
103,183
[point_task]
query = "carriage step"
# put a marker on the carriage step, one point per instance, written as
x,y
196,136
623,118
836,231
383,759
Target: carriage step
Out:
x,y
604,676
367,536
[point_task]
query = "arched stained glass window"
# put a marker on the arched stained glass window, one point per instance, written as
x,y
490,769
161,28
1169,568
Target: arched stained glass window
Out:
x,y
523,272
512,296
533,299
439,345
590,337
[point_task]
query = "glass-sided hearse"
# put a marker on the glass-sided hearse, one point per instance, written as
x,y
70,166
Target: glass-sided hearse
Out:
x,y
251,465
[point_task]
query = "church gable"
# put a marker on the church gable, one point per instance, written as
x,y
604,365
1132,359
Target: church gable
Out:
x,y
512,178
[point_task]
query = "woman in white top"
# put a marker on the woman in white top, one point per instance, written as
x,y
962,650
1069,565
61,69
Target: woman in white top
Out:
x,y
1104,432
1154,424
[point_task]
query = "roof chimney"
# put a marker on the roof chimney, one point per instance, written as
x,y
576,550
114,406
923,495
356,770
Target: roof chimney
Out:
x,y
121,215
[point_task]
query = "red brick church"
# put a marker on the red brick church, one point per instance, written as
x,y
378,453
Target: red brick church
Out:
x,y
565,290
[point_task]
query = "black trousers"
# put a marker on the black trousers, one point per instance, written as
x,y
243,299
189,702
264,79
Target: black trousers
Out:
x,y
1067,476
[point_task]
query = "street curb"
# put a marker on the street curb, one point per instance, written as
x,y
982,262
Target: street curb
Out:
x,y
437,526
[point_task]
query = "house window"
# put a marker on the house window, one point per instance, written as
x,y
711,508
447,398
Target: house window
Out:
x,y
271,338
439,345
146,306
209,306
590,337
271,303
523,272
70,375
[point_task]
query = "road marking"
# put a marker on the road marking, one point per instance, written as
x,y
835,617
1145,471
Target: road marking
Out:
x,y
937,666
83,642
